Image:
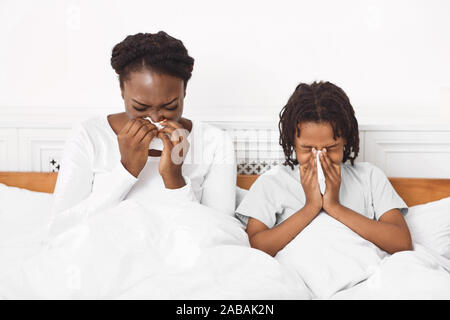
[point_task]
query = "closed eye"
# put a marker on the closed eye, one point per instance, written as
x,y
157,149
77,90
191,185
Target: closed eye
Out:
x,y
171,109
139,109
332,147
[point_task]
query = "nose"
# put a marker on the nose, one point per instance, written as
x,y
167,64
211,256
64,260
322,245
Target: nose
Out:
x,y
156,117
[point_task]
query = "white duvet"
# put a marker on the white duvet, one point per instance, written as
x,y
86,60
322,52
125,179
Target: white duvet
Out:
x,y
417,274
335,262
134,252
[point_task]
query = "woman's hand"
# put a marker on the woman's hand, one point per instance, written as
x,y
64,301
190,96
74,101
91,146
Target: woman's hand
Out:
x,y
308,175
332,174
173,154
134,140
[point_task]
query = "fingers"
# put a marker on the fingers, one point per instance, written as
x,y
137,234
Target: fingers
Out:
x,y
127,126
177,135
135,127
171,123
328,167
304,168
309,169
312,168
146,134
148,137
145,127
166,141
168,130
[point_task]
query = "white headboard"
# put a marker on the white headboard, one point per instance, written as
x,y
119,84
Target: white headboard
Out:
x,y
419,151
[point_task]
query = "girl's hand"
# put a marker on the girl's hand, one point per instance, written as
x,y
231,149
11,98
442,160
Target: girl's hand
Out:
x,y
173,154
308,175
134,139
332,174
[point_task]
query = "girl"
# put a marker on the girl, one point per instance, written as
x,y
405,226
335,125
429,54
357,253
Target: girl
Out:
x,y
284,200
109,158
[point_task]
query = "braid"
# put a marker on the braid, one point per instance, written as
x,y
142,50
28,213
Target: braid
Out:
x,y
318,102
158,51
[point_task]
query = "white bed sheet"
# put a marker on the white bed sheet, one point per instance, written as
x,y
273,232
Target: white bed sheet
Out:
x,y
136,252
418,274
146,252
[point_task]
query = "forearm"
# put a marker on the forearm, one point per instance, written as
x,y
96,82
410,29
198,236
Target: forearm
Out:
x,y
273,240
387,236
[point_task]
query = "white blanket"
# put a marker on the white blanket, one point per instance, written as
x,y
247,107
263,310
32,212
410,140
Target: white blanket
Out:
x,y
138,252
329,256
335,262
162,252
417,274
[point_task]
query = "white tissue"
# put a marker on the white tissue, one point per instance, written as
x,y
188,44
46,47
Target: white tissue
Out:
x,y
320,175
156,142
157,124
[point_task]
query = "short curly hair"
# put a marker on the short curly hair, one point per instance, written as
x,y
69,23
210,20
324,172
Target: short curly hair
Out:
x,y
155,51
320,102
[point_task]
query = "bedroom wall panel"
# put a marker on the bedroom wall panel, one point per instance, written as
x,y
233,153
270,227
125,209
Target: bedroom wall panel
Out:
x,y
418,154
399,151
40,149
8,149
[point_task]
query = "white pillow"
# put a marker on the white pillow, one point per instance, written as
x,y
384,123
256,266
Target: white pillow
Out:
x,y
429,225
23,213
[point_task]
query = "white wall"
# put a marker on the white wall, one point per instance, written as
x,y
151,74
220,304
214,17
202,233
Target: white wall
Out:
x,y
391,57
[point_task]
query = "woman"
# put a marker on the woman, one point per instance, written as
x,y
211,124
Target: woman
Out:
x,y
109,158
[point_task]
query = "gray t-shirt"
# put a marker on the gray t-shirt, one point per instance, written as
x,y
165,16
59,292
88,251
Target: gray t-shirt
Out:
x,y
278,193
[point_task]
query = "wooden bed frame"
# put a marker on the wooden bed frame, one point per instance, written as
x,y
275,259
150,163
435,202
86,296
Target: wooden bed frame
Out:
x,y
413,190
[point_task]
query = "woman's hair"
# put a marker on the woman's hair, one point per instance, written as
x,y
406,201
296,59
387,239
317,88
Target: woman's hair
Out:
x,y
319,102
155,51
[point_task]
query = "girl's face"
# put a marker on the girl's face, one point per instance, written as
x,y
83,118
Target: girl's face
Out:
x,y
319,136
155,95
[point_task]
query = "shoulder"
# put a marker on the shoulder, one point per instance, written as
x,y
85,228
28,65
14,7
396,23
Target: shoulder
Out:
x,y
91,131
360,167
95,124
96,128
278,176
364,170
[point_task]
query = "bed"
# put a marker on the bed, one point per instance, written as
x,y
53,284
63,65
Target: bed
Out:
x,y
414,191
224,264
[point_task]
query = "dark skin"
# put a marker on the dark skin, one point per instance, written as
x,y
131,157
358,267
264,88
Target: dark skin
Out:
x,y
160,97
390,232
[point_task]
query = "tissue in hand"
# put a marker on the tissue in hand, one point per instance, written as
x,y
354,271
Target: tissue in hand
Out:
x,y
320,175
156,142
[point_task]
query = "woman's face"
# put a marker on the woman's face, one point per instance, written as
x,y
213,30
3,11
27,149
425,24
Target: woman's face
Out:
x,y
319,136
152,94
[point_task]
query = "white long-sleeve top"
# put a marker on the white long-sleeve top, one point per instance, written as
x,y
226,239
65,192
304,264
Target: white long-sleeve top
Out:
x,y
92,178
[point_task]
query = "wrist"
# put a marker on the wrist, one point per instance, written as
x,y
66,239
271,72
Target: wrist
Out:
x,y
313,207
332,208
132,171
173,180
